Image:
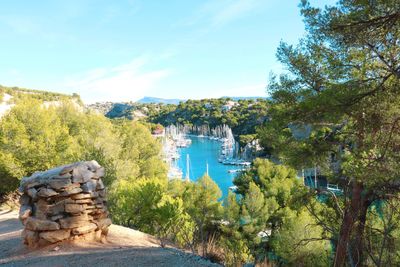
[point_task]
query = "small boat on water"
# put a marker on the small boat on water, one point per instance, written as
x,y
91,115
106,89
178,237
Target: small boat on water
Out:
x,y
237,170
183,142
175,173
236,162
233,188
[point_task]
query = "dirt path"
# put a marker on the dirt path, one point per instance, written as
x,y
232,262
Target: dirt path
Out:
x,y
125,247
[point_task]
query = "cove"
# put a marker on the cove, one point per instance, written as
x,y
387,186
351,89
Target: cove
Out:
x,y
205,151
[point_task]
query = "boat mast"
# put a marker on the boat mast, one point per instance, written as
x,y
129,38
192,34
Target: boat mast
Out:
x,y
187,168
315,177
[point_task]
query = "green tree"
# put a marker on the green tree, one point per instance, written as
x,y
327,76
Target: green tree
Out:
x,y
273,201
236,250
299,242
342,86
33,138
204,208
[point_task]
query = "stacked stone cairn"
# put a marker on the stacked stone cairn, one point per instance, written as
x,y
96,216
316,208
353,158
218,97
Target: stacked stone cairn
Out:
x,y
64,203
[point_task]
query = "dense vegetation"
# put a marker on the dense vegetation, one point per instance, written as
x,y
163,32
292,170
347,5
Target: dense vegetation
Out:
x,y
34,137
243,115
37,137
18,94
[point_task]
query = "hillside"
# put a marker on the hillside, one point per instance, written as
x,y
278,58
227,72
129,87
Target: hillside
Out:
x,y
9,96
124,247
157,100
19,93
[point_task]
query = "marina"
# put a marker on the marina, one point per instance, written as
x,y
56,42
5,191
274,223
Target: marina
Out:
x,y
213,152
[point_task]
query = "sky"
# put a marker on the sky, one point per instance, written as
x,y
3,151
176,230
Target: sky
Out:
x,y
124,50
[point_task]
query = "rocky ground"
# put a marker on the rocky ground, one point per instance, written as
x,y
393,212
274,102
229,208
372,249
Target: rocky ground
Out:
x,y
124,247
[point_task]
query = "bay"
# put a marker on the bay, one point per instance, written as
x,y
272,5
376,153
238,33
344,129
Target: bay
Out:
x,y
205,151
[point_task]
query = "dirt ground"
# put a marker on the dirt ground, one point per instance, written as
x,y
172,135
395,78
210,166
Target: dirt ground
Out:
x,y
124,247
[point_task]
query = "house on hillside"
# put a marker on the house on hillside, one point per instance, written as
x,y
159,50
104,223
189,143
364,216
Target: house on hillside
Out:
x,y
137,115
229,105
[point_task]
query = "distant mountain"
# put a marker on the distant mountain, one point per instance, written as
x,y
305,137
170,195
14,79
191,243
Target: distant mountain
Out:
x,y
236,98
156,100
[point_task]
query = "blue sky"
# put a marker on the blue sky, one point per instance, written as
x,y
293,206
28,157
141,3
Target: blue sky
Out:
x,y
123,50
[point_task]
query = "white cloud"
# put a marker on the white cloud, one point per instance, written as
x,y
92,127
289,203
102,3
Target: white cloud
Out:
x,y
126,82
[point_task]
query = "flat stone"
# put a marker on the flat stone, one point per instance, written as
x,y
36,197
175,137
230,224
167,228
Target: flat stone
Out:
x,y
57,208
56,217
94,194
71,191
40,178
28,185
81,174
93,165
90,227
41,209
46,192
74,221
89,186
81,196
33,184
58,184
24,212
30,238
74,208
69,168
100,185
84,201
91,236
55,236
63,176
41,225
24,199
100,215
99,173
32,192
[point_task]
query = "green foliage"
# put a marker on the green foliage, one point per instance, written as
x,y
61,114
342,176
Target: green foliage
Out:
x,y
34,137
145,205
21,94
337,108
272,219
299,241
243,117
383,233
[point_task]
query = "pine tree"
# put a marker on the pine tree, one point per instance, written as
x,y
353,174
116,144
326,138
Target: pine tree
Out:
x,y
342,87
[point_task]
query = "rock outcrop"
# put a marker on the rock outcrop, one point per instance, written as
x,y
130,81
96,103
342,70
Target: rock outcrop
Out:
x,y
64,203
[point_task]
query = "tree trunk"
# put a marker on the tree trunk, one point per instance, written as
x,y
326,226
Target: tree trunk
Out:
x,y
358,244
202,241
351,215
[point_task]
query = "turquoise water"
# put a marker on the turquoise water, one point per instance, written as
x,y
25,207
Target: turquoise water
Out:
x,y
201,152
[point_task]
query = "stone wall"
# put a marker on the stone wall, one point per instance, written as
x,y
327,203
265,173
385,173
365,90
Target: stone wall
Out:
x,y
64,203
